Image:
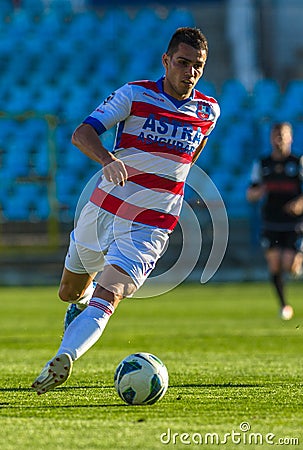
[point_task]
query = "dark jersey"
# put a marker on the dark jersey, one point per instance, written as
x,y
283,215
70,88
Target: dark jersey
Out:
x,y
283,182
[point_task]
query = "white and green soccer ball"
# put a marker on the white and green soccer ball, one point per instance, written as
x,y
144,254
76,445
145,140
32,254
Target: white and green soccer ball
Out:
x,y
141,379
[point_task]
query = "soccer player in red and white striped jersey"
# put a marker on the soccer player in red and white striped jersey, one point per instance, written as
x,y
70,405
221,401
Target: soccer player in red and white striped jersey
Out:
x,y
123,229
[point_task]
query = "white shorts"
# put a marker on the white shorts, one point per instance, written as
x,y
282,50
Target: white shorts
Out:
x,y
100,239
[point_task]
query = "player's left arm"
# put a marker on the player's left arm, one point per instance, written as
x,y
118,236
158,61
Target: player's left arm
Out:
x,y
295,206
215,115
199,150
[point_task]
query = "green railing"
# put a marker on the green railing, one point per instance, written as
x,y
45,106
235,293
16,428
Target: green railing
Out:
x,y
50,229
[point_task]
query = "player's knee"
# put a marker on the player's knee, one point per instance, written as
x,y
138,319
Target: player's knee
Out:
x,y
115,292
115,284
67,293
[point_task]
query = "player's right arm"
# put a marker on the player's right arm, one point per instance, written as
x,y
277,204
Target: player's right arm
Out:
x,y
112,110
255,193
256,190
87,140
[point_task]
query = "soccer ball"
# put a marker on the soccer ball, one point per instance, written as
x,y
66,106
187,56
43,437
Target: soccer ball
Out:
x,y
141,379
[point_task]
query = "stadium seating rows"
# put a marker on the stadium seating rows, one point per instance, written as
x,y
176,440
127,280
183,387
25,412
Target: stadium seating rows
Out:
x,y
59,62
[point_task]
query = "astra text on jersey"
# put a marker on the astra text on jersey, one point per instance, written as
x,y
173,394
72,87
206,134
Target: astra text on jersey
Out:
x,y
156,138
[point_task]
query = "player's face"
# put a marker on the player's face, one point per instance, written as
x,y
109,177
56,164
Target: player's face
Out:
x,y
282,139
183,70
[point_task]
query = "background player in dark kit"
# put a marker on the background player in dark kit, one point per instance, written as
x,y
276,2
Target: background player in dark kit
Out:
x,y
277,180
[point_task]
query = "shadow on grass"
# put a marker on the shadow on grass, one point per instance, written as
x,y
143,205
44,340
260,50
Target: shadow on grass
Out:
x,y
173,386
64,388
97,405
8,405
216,385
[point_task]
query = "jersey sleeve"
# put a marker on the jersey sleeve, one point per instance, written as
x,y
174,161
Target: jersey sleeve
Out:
x,y
301,169
216,115
114,109
217,112
256,176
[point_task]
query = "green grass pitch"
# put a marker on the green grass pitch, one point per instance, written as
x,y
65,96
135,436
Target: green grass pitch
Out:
x,y
235,371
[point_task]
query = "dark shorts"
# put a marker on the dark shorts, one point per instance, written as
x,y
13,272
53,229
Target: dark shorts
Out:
x,y
281,239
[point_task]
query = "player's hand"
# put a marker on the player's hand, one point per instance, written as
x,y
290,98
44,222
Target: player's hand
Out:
x,y
255,193
114,171
294,207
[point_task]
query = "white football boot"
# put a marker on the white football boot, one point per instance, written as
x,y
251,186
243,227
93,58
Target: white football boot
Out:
x,y
55,372
287,312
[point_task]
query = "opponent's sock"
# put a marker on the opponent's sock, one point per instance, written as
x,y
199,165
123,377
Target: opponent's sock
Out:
x,y
87,328
278,283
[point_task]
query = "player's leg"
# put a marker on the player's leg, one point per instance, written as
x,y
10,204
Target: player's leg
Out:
x,y
288,257
290,245
113,285
76,289
274,264
273,243
75,286
87,328
297,265
130,260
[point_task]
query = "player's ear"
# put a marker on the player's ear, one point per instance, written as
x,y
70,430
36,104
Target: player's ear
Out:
x,y
165,60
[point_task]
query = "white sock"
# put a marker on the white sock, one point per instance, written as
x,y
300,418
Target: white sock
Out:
x,y
83,301
86,329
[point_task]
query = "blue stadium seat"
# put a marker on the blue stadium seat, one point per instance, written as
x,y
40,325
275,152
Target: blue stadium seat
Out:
x,y
41,208
207,88
265,98
40,160
64,9
86,22
67,186
179,17
49,25
6,10
16,160
14,209
222,179
33,8
48,100
236,204
263,139
6,186
233,98
146,22
21,22
20,203
298,138
291,105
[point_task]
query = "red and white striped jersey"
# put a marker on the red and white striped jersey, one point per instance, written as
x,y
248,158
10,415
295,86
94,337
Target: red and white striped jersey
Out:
x,y
156,138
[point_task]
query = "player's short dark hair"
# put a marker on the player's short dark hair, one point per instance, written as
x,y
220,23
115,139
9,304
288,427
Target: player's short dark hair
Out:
x,y
278,125
187,35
